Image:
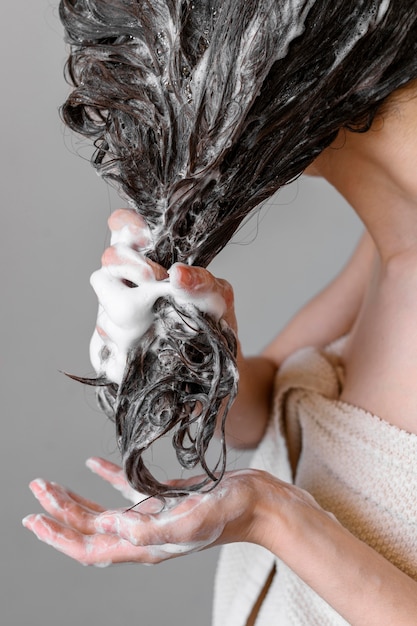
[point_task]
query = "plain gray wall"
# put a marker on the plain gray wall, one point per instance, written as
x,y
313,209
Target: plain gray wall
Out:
x,y
53,232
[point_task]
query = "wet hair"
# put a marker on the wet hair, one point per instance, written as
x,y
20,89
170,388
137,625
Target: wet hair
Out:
x,y
199,111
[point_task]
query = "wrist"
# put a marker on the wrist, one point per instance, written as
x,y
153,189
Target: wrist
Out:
x,y
285,516
346,572
271,512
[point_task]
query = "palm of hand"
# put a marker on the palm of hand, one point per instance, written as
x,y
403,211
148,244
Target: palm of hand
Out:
x,y
85,531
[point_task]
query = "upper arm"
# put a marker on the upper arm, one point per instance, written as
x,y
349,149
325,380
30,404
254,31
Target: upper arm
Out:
x,y
332,312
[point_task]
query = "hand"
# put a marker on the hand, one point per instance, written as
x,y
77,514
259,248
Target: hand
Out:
x,y
128,284
150,534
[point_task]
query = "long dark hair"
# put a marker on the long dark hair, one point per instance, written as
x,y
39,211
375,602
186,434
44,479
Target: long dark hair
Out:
x,y
199,111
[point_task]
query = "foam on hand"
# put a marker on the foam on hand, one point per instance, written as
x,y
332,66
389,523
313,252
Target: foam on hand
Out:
x,y
126,311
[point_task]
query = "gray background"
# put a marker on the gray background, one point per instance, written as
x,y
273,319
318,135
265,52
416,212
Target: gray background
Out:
x,y
54,212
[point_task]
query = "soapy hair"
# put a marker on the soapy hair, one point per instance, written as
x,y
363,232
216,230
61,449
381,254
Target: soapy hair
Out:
x,y
200,110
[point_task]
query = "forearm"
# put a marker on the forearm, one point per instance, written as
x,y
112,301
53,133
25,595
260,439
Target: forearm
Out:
x,y
324,318
332,312
249,415
359,583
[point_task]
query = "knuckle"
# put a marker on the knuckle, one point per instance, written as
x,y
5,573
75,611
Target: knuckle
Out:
x,y
131,537
133,220
155,560
205,277
118,218
109,256
227,290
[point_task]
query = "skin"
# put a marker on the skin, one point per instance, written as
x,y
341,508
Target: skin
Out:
x,y
374,299
150,533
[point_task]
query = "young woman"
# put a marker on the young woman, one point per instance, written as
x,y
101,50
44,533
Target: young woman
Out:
x,y
322,528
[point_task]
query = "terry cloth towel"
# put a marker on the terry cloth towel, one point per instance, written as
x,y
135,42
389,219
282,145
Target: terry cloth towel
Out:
x,y
359,467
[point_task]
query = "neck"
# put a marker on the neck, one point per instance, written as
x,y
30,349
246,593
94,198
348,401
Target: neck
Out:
x,y
377,174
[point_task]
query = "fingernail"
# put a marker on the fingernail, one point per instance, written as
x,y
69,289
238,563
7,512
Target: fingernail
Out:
x,y
29,522
37,486
92,464
180,274
26,521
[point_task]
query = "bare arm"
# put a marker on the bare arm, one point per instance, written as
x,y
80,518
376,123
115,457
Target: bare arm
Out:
x,y
359,583
251,506
332,312
323,319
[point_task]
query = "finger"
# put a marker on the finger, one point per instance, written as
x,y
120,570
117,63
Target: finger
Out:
x,y
124,255
105,469
127,307
57,501
137,528
209,294
192,279
110,286
200,281
110,291
177,523
94,507
129,227
114,475
162,548
119,258
159,272
99,550
126,217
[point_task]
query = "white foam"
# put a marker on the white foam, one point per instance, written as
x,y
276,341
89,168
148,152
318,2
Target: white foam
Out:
x,y
126,313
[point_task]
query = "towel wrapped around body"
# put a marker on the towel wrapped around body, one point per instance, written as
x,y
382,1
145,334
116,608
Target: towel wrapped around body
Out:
x,y
357,466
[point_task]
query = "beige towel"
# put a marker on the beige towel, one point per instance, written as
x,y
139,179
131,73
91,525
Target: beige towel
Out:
x,y
357,466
